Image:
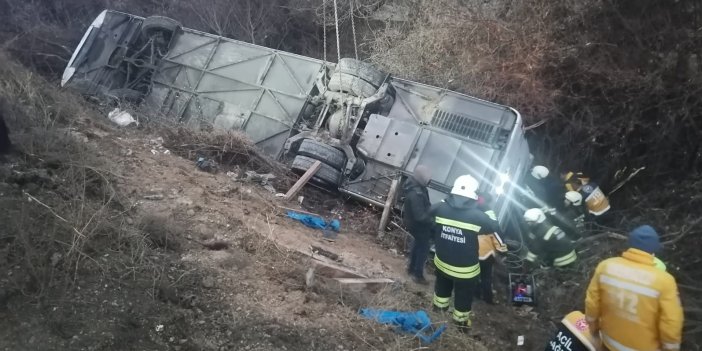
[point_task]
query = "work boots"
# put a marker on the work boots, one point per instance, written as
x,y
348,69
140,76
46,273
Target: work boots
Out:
x,y
463,321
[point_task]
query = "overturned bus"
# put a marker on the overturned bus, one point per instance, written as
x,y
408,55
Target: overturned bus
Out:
x,y
369,129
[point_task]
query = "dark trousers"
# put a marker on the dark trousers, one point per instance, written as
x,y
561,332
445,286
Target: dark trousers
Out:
x,y
463,290
485,290
418,254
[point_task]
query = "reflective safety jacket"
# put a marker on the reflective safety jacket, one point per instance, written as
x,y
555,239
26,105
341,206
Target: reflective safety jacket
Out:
x,y
550,244
488,245
459,222
595,200
634,304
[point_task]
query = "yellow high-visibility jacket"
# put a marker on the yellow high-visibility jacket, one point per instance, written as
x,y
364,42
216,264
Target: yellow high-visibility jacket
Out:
x,y
488,244
634,305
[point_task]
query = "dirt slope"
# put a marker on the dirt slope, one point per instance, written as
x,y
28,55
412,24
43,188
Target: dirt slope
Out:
x,y
110,241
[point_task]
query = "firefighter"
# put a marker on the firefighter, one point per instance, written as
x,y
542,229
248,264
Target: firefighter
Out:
x,y
488,246
573,209
459,221
547,242
595,200
417,220
571,218
536,188
634,304
573,334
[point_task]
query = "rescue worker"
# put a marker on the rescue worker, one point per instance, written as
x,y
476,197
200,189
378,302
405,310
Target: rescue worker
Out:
x,y
595,200
536,187
572,217
573,209
544,190
418,221
488,246
633,304
459,222
547,242
573,334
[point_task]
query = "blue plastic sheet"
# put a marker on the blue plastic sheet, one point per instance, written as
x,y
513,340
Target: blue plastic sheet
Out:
x,y
416,323
315,222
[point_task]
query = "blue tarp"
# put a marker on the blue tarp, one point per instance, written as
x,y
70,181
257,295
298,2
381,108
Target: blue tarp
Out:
x,y
417,323
315,222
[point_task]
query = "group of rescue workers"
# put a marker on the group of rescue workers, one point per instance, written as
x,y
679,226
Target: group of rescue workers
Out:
x,y
632,303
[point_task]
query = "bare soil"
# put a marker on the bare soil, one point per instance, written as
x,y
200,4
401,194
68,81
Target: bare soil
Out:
x,y
247,294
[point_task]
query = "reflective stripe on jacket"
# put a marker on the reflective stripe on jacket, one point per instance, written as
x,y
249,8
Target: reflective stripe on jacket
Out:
x,y
634,304
550,244
595,200
459,222
575,322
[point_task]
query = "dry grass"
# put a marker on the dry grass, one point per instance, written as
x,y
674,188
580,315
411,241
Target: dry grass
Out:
x,y
60,206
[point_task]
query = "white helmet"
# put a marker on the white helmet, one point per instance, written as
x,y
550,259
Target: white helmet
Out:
x,y
574,198
466,186
539,172
534,215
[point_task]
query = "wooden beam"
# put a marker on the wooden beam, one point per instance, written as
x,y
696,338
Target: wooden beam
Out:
x,y
326,253
387,210
303,180
334,271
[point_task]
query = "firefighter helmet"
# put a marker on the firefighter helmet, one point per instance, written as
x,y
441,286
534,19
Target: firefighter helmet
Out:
x,y
539,172
534,215
466,186
573,198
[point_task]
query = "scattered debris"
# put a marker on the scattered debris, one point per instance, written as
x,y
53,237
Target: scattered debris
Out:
x,y
121,118
325,253
416,323
207,165
263,179
309,278
154,194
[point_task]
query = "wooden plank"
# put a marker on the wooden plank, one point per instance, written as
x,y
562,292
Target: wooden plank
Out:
x,y
335,271
389,203
303,180
326,253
